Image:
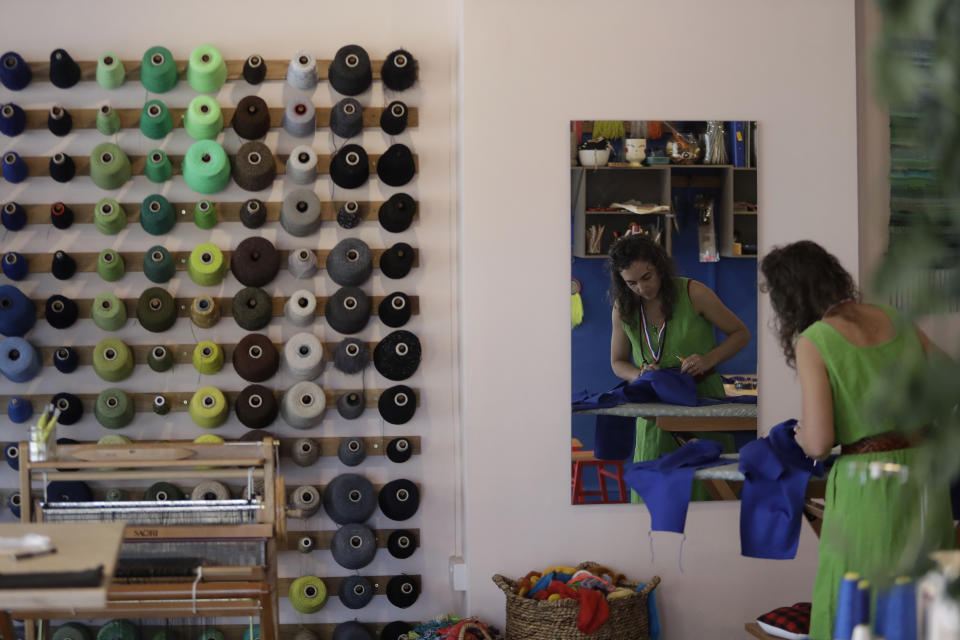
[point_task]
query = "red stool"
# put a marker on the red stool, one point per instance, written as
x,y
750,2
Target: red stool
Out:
x,y
584,460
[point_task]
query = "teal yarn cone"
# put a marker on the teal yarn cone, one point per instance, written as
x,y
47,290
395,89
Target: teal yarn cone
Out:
x,y
205,214
158,168
203,119
108,121
158,71
109,217
110,71
109,166
206,71
155,120
157,216
206,168
158,264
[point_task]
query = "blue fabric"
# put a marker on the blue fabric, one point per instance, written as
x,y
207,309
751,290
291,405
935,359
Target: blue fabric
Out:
x,y
658,385
653,615
776,471
614,437
665,483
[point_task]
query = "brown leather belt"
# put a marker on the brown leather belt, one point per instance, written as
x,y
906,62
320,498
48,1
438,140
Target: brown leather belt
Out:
x,y
889,441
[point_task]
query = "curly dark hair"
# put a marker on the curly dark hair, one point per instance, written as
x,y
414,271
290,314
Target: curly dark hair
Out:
x,y
804,280
624,253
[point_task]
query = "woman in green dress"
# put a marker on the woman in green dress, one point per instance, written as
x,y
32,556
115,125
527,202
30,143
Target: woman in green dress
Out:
x,y
840,347
661,321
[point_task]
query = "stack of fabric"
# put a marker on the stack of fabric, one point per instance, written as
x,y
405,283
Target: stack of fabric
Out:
x,y
448,627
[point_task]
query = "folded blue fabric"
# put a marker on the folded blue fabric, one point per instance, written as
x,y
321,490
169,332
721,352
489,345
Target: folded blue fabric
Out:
x,y
659,385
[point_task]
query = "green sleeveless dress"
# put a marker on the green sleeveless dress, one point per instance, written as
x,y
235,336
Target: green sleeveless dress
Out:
x,y
687,333
870,526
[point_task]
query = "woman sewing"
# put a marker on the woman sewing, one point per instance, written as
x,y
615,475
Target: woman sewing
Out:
x,y
840,348
661,321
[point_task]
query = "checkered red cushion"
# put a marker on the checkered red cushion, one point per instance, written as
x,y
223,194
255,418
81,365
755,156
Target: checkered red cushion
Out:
x,y
795,619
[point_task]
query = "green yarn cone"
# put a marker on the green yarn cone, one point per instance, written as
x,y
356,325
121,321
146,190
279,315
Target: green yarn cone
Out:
x,y
158,264
158,71
108,121
206,168
109,217
203,119
155,120
157,216
158,168
206,71
109,166
110,71
110,265
205,215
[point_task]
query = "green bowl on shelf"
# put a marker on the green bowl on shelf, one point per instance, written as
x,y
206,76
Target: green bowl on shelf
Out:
x,y
655,160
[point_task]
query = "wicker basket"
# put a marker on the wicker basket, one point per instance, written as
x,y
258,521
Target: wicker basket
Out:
x,y
557,619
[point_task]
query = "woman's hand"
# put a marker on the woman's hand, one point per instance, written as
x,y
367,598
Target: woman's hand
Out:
x,y
648,367
696,364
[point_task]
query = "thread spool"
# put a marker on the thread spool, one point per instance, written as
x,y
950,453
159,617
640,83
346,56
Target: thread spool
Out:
x,y
71,409
302,71
157,216
203,119
350,263
302,264
65,359
113,438
255,359
251,120
19,360
303,405
72,631
350,72
208,408
349,498
352,452
109,166
108,312
204,312
257,407
253,213
15,73
156,310
348,215
402,591
113,409
254,167
158,168
61,167
401,544
160,359
351,356
356,592
396,262
351,630
394,310
255,262
112,360
60,311
109,217
13,216
397,404
160,405
110,72
110,265
301,308
19,410
18,313
300,119
353,546
14,168
254,69
206,70
158,265
207,358
64,71
308,594
210,490
305,544
61,216
303,356
346,118
399,450
396,214
393,119
60,491
348,310
399,499
396,166
155,120
304,452
14,503
252,309
206,266
861,610
13,120
350,166
300,213
158,70
161,492
350,405
15,266
205,215
108,120
206,168
397,356
59,121
899,618
399,70
302,165
846,616
396,630
306,499
115,494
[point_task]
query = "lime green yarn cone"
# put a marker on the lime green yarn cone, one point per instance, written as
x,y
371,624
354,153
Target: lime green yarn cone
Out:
x,y
208,358
203,119
155,120
158,71
157,216
109,217
208,408
206,168
108,313
109,166
206,71
110,71
108,120
206,265
158,168
205,214
110,265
